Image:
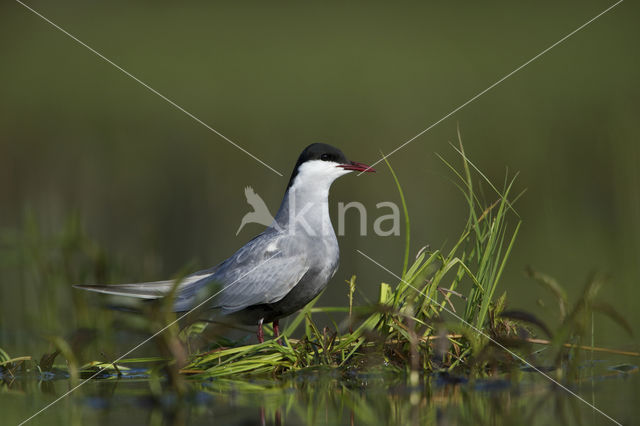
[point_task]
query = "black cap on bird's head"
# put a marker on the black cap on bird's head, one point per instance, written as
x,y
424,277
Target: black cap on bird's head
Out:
x,y
328,153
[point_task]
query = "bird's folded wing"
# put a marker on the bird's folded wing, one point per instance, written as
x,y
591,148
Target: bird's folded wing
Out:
x,y
263,271
268,283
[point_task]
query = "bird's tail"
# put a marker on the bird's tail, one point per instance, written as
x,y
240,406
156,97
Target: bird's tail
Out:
x,y
149,290
184,289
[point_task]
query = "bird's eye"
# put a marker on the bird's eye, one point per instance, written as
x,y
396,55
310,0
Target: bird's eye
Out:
x,y
325,157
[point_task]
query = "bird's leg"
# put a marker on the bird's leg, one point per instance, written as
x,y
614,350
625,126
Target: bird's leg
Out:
x,y
260,333
276,332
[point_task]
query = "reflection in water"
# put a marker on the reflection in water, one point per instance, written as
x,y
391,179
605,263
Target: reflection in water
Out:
x,y
326,396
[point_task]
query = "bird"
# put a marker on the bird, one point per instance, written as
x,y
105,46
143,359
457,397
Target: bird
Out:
x,y
279,271
260,213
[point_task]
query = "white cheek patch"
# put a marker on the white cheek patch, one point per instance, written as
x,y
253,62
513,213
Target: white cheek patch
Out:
x,y
318,173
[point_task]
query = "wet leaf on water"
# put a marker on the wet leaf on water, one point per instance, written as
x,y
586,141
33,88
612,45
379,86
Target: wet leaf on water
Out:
x,y
625,368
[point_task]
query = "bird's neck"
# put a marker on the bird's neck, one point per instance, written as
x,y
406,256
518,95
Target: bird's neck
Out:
x,y
305,209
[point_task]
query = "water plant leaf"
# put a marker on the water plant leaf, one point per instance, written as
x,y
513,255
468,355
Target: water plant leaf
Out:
x,y
385,295
47,360
407,223
552,285
4,356
611,312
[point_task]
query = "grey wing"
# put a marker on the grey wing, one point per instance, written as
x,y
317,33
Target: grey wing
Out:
x,y
263,271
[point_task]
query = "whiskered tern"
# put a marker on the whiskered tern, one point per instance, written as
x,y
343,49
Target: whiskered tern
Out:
x,y
282,269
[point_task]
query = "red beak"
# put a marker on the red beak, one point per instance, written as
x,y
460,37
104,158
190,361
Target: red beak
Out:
x,y
358,167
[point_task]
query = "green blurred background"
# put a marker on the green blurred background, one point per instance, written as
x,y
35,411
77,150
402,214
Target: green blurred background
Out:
x,y
161,193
